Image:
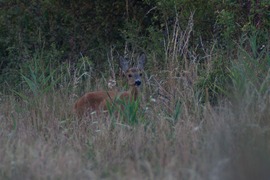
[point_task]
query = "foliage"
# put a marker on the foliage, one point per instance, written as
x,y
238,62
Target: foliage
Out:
x,y
42,139
250,74
204,107
212,83
84,28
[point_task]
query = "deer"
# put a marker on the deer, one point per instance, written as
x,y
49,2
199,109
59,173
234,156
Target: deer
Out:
x,y
98,101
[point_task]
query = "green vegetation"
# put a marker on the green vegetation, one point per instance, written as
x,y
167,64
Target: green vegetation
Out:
x,y
205,101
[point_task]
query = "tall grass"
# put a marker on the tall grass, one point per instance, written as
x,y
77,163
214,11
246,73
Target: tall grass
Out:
x,y
173,135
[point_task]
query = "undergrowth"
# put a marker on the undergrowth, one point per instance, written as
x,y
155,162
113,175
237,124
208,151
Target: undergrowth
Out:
x,y
174,137
197,118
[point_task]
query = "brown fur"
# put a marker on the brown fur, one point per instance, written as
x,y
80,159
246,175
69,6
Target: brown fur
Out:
x,y
98,100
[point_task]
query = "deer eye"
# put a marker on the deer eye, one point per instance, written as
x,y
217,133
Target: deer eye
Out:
x,y
140,74
129,75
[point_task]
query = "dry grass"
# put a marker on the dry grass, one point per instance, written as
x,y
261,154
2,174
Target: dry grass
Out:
x,y
173,136
41,139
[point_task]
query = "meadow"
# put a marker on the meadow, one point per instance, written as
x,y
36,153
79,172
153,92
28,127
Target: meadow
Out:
x,y
204,106
174,133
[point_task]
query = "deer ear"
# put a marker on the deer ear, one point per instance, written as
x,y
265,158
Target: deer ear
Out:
x,y
141,61
124,64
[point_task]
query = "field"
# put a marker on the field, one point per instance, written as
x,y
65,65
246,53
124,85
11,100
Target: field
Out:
x,y
176,133
204,106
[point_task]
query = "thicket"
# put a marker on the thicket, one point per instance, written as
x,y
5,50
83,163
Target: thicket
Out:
x,y
39,38
53,51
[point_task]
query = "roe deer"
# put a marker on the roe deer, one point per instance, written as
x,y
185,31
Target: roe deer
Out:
x,y
98,100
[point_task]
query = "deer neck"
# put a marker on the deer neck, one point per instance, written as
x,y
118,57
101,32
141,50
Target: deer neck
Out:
x,y
134,92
